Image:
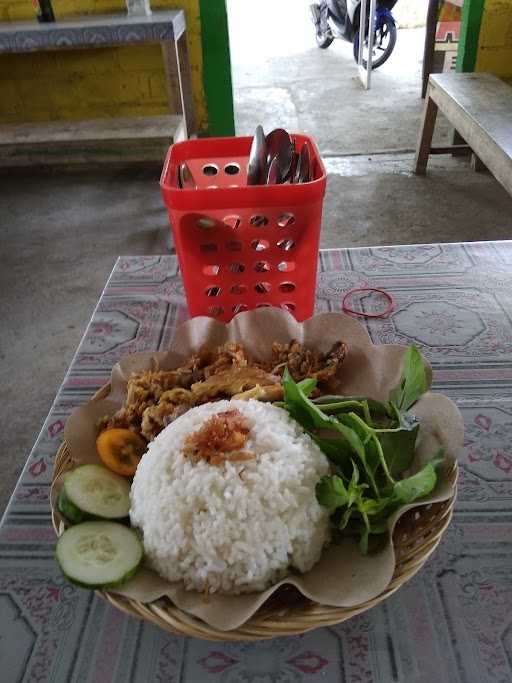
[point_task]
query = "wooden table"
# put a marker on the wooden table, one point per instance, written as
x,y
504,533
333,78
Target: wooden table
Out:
x,y
479,106
451,623
26,143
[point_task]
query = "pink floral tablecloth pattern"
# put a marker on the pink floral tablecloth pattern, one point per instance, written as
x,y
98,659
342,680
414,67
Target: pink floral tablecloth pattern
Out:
x,y
451,623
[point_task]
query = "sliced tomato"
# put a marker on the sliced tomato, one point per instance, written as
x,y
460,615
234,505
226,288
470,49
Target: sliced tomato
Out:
x,y
121,450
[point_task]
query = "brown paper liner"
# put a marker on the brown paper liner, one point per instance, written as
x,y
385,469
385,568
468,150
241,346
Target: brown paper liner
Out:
x,y
343,577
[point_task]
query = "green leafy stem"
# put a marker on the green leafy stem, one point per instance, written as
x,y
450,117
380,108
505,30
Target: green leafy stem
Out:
x,y
370,444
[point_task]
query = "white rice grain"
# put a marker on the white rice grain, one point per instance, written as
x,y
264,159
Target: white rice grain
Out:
x,y
240,526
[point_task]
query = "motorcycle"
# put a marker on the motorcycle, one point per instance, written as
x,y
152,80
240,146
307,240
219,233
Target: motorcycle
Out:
x,y
341,19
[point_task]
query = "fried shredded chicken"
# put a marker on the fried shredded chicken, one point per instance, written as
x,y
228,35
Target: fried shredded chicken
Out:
x,y
148,390
220,439
171,405
302,362
155,398
226,357
231,382
269,392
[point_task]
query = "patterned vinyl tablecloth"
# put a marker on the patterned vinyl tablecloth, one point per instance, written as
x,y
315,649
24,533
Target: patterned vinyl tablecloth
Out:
x,y
451,623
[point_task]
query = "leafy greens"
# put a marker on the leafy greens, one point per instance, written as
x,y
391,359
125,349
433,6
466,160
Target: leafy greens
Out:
x,y
413,382
370,445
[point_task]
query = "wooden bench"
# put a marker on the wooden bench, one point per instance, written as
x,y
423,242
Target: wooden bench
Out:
x,y
479,106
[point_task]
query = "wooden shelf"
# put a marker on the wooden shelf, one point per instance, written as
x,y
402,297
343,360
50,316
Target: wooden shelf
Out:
x,y
98,140
91,31
102,140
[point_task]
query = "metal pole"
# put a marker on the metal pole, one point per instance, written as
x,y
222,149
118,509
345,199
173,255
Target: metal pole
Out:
x,y
365,74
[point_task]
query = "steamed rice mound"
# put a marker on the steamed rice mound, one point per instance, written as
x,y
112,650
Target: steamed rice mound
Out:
x,y
237,527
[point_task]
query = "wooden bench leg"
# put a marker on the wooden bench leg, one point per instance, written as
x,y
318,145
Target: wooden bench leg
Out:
x,y
457,140
430,41
187,98
477,164
172,80
425,138
179,87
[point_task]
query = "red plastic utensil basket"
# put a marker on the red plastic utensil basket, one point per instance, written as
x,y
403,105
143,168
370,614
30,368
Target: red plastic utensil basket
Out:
x,y
241,247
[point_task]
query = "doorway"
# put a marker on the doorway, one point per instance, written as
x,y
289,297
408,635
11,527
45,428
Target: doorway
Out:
x,y
282,78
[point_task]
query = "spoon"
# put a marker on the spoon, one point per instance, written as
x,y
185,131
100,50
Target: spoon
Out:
x,y
293,168
185,179
274,175
280,146
298,164
305,161
257,167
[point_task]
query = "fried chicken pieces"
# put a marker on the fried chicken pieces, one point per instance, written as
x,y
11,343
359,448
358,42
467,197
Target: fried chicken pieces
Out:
x,y
155,399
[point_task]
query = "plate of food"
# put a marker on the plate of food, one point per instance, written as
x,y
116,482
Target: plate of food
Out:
x,y
260,478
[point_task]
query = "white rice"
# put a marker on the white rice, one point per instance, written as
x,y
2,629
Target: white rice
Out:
x,y
219,531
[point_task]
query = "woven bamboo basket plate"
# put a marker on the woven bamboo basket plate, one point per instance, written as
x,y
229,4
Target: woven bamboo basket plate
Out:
x,y
287,612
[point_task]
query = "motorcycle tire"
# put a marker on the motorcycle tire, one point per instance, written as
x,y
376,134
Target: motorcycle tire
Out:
x,y
323,40
391,28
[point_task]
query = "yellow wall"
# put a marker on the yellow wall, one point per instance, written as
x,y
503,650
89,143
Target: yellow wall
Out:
x,y
495,42
105,82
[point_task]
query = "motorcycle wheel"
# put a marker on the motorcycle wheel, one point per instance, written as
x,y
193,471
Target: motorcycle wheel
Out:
x,y
385,33
323,40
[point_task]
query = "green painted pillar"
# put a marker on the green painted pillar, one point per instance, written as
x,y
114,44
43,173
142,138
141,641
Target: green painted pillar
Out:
x,y
217,67
471,20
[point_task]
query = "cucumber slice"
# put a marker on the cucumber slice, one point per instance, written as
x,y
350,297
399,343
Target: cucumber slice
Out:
x,y
69,510
97,492
99,554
